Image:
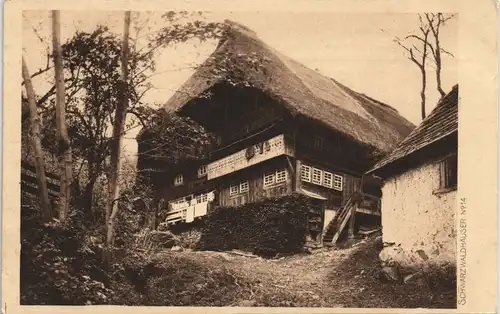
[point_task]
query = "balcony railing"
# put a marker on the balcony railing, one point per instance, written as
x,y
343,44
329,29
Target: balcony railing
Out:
x,y
252,155
369,205
182,210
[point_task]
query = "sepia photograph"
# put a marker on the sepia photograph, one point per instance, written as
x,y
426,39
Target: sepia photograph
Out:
x,y
240,159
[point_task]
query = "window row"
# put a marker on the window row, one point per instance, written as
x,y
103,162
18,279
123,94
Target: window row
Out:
x,y
179,179
242,187
272,178
321,177
194,199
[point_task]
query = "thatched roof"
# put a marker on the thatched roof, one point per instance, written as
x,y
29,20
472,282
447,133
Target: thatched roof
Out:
x,y
301,90
441,122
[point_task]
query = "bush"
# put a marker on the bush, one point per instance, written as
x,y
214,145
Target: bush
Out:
x,y
58,263
266,228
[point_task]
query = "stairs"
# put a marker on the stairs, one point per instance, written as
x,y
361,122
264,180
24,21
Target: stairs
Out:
x,y
338,223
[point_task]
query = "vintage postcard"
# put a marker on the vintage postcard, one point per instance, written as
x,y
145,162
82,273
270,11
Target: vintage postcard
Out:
x,y
250,157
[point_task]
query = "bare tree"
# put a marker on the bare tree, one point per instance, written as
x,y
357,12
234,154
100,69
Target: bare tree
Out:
x,y
37,144
64,149
116,142
435,21
414,49
419,44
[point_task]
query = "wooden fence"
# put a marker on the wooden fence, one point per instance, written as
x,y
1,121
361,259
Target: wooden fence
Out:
x,y
29,182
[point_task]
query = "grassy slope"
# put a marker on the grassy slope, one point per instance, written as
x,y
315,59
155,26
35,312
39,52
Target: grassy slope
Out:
x,y
328,278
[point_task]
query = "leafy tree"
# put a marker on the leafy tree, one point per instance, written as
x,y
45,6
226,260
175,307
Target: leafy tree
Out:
x,y
93,89
116,141
167,143
64,148
36,144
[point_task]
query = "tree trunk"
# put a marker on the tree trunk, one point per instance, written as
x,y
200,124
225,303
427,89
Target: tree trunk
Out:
x,y
64,149
43,192
438,69
118,128
88,196
422,92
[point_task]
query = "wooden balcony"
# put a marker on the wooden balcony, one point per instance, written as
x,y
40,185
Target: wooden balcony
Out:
x,y
250,156
369,205
183,210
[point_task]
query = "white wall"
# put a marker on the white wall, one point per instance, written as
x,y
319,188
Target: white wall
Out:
x,y
329,214
415,218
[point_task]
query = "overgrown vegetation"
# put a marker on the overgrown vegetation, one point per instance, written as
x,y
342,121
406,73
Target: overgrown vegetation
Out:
x,y
272,226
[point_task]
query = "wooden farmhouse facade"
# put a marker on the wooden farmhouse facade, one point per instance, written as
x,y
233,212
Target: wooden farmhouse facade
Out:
x,y
284,129
419,190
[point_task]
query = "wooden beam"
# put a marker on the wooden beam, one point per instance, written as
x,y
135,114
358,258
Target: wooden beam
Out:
x,y
33,180
27,166
298,182
352,221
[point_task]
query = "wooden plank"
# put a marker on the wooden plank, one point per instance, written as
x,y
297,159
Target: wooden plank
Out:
x,y
367,211
33,180
263,151
27,166
342,226
34,191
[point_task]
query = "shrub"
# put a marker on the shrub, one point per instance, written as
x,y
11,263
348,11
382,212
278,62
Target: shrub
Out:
x,y
56,265
268,227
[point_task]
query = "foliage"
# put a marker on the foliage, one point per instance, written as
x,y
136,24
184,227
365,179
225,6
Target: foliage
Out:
x,y
91,63
268,227
55,267
184,26
169,141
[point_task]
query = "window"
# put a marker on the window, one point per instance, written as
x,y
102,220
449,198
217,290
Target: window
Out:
x,y
337,182
201,198
202,171
305,173
244,186
317,176
449,172
321,177
178,201
269,179
179,180
319,143
281,175
328,179
233,190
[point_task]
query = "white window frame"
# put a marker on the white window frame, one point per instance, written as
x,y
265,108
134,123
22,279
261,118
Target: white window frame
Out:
x,y
233,190
179,180
244,186
305,173
201,198
328,179
202,171
271,175
281,176
313,174
338,182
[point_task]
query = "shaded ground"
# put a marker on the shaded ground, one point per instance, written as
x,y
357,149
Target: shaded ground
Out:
x,y
326,278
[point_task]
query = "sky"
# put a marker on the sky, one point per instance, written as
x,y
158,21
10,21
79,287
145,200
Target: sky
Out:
x,y
356,49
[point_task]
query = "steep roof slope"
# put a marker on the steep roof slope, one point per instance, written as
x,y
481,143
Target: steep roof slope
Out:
x,y
302,90
442,121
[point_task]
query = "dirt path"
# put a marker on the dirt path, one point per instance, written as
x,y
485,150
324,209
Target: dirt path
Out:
x,y
326,278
